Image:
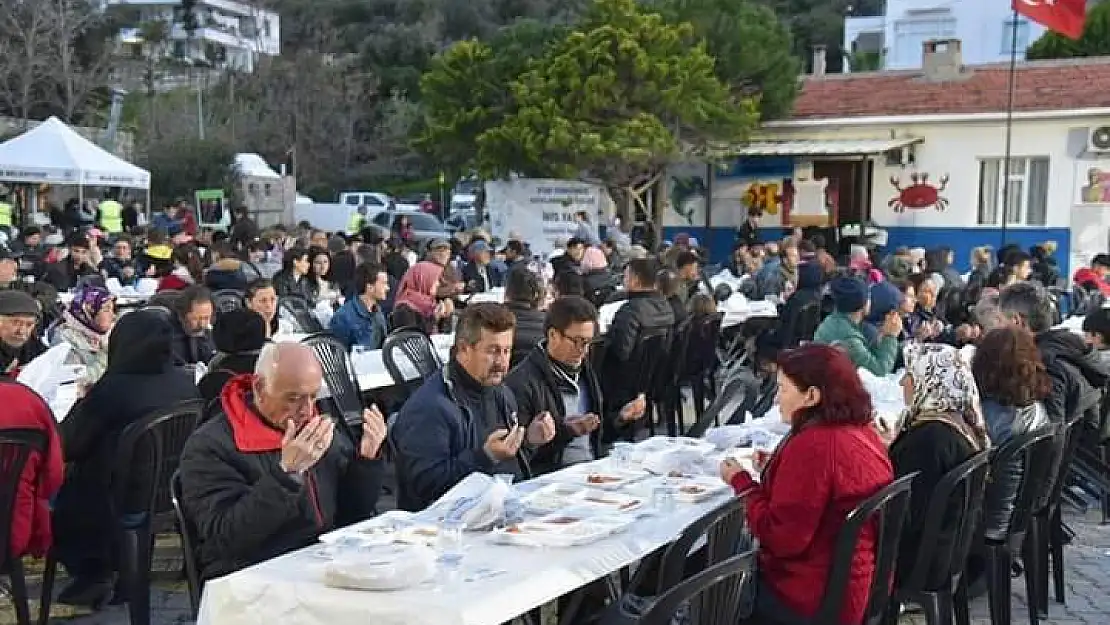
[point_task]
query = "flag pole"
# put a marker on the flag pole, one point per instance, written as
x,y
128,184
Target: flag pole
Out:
x,y
1009,125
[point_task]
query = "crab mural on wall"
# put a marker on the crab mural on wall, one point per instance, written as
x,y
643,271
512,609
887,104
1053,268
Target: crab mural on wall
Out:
x,y
920,193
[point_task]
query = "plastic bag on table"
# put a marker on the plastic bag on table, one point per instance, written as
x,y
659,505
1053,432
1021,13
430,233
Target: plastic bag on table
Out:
x,y
383,567
478,501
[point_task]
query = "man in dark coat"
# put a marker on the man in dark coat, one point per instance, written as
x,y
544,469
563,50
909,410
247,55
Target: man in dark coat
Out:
x,y
19,345
464,420
268,474
556,378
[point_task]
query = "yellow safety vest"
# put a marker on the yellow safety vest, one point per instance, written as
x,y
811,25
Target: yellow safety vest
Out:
x,y
111,216
5,214
355,224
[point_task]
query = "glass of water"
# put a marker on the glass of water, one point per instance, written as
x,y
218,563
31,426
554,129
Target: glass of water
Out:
x,y
450,546
358,353
621,454
663,499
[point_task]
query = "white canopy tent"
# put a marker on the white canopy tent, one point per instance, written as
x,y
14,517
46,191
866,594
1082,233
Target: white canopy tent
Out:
x,y
53,153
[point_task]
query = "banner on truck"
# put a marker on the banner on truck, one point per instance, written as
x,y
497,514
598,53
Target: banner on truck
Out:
x,y
541,211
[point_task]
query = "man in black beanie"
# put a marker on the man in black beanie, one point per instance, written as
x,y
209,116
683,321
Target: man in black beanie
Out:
x,y
19,343
239,336
844,328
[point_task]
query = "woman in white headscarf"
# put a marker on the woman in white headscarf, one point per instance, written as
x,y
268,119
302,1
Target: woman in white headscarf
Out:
x,y
942,429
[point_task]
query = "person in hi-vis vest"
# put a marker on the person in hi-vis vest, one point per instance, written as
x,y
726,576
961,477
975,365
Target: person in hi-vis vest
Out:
x,y
357,221
111,216
6,211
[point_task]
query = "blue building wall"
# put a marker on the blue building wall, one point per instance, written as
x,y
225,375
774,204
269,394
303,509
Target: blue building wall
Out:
x,y
719,241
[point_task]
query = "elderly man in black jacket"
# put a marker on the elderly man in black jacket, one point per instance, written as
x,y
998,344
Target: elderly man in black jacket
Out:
x,y
646,313
268,474
556,379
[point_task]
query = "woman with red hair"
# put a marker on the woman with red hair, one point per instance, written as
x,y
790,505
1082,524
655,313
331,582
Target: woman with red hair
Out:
x,y
831,461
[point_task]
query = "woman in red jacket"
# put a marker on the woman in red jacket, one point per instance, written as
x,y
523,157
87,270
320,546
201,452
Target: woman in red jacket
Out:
x,y
831,460
42,475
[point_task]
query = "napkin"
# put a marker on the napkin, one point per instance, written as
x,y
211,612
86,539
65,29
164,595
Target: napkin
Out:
x,y
388,567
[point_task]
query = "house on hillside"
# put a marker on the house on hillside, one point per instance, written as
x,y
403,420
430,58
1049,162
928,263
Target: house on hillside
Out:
x,y
987,30
920,154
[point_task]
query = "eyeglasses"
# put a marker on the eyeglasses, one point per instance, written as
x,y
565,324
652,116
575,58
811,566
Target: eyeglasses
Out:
x,y
581,342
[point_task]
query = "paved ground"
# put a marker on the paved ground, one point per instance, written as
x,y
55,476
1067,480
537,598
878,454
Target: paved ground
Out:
x,y
1088,582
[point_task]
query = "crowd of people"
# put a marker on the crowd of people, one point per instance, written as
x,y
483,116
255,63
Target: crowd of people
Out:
x,y
532,385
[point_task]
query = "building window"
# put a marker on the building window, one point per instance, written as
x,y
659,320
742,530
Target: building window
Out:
x,y
1027,203
910,36
1008,31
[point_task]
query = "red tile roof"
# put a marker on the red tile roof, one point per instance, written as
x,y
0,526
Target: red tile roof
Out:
x,y
1041,86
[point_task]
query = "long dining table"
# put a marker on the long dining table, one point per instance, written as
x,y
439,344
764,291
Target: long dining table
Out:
x,y
496,583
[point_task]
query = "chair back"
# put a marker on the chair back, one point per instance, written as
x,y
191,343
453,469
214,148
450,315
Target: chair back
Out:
x,y
300,311
728,401
721,528
1036,450
16,445
648,360
887,509
1064,446
713,596
339,375
701,348
227,300
148,453
410,357
956,501
189,543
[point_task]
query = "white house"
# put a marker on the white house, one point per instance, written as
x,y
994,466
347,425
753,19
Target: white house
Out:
x,y
228,34
985,26
920,153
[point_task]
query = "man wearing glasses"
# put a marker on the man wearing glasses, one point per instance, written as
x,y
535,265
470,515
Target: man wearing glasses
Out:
x,y
556,378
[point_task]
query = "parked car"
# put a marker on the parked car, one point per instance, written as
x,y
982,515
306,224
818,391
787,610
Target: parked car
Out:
x,y
424,226
372,200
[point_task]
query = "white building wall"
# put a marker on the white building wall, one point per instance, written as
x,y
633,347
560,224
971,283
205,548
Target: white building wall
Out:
x,y
982,26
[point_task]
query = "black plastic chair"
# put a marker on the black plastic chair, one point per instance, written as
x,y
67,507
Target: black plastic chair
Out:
x,y
148,453
669,375
16,446
701,359
1047,517
339,374
713,596
419,352
299,309
729,400
888,507
955,503
189,544
721,528
809,319
645,365
1036,451
227,300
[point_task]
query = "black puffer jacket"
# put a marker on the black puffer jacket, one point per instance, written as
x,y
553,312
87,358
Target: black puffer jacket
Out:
x,y
245,508
529,330
1077,371
539,388
644,314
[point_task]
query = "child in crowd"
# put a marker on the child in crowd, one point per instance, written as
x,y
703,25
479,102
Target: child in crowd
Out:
x,y
1096,329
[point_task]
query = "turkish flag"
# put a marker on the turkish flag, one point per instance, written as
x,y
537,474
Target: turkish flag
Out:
x,y
1063,16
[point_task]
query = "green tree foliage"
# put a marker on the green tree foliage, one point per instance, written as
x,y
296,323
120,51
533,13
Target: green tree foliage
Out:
x,y
192,164
616,99
751,47
1094,42
467,90
821,22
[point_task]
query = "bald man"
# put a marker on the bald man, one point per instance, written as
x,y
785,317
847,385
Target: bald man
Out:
x,y
268,474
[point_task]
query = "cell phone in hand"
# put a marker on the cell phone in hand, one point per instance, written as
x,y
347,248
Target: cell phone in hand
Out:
x,y
510,423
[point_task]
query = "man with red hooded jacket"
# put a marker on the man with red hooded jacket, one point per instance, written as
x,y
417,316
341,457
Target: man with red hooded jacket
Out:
x,y
268,475
1094,277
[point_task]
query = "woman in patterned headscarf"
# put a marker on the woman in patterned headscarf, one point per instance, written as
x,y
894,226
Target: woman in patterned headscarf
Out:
x,y
943,428
85,325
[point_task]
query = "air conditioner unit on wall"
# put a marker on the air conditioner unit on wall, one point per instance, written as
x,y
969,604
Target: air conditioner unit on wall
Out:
x,y
1098,141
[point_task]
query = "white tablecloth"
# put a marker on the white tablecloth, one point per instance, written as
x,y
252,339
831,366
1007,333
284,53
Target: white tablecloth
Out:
x,y
369,366
289,590
737,310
